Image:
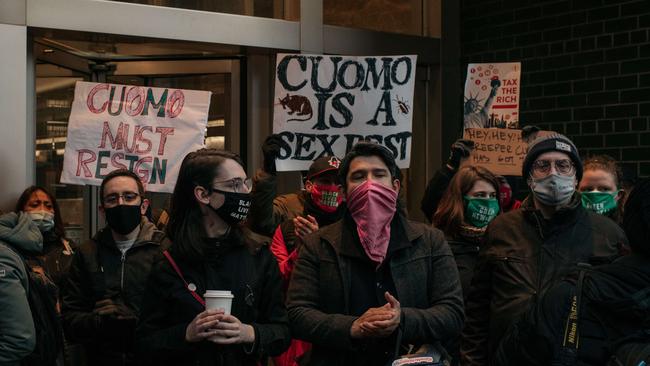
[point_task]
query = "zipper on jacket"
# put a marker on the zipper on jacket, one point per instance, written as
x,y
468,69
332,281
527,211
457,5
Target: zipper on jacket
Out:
x,y
122,260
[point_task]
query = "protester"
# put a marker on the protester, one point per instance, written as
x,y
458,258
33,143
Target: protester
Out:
x,y
600,187
102,297
437,186
373,277
323,206
211,251
268,210
57,253
467,207
528,250
611,318
30,333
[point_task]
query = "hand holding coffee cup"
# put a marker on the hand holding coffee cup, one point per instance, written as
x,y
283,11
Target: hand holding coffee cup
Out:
x,y
202,325
230,330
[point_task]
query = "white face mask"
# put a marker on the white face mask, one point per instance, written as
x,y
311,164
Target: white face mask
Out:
x,y
43,219
553,190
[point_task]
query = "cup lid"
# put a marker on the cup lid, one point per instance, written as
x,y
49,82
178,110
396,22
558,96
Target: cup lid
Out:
x,y
217,293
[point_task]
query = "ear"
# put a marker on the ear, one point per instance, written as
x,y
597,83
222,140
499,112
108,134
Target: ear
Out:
x,y
396,185
621,193
143,206
101,210
201,195
308,186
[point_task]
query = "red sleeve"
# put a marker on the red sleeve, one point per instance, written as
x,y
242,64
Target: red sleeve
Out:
x,y
279,250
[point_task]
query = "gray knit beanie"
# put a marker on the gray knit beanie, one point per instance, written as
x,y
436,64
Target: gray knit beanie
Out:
x,y
551,142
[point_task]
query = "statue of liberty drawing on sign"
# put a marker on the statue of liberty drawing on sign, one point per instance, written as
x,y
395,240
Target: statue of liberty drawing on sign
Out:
x,y
475,115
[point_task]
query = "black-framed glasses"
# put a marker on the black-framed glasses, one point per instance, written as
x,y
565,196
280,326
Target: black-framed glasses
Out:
x,y
542,167
113,199
237,185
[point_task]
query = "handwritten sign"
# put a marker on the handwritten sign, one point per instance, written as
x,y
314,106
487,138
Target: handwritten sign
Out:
x,y
326,104
492,95
502,151
146,130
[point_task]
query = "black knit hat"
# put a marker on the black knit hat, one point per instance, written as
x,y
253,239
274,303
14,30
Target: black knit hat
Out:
x,y
551,142
322,165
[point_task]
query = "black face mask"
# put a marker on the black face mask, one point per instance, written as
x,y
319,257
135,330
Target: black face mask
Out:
x,y
235,207
123,218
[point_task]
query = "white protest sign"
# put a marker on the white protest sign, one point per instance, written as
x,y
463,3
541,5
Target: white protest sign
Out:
x,y
325,104
492,95
146,130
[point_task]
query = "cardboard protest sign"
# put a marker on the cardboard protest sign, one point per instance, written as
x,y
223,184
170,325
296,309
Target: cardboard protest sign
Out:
x,y
326,104
146,130
500,150
492,95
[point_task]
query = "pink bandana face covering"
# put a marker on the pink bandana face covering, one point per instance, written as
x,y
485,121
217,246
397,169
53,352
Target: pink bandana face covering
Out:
x,y
372,206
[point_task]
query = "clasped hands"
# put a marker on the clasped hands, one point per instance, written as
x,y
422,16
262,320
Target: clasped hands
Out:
x,y
378,322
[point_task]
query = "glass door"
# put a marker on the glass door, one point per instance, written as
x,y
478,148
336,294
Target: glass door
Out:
x,y
57,71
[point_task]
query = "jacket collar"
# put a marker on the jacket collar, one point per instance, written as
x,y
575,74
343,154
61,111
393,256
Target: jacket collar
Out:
x,y
564,216
145,236
338,235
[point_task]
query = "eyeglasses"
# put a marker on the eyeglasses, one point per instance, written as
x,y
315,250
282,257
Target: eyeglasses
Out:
x,y
237,184
562,166
113,199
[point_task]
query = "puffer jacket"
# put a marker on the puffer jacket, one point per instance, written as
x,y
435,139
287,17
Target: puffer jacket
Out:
x,y
268,211
613,307
523,256
17,334
240,263
100,271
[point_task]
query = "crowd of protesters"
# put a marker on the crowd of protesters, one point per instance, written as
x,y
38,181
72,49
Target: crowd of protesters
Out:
x,y
337,273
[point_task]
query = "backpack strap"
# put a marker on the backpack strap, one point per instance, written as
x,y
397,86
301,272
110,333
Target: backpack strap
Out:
x,y
568,353
180,274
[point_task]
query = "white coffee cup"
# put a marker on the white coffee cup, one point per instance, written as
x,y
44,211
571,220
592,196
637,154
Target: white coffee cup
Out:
x,y
215,299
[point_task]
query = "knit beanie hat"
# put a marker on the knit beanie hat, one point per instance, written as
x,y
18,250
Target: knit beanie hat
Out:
x,y
551,142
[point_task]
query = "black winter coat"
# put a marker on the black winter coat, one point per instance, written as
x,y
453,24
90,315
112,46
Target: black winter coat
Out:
x,y
609,312
100,271
320,297
524,255
248,271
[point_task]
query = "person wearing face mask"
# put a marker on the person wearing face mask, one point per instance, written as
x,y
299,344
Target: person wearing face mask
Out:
x,y
468,205
527,251
43,209
212,250
323,206
104,289
268,210
599,187
374,280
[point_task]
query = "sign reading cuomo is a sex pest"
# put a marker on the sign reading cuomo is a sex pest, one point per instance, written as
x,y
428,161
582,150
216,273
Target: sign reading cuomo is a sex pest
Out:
x,y
325,104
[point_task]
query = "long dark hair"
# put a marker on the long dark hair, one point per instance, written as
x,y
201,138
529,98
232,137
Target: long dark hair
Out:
x,y
24,198
185,228
450,214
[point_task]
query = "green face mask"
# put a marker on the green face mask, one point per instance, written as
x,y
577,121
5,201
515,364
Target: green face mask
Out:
x,y
480,211
599,202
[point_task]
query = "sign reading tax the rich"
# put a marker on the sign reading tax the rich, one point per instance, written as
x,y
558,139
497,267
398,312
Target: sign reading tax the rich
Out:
x,y
326,104
144,129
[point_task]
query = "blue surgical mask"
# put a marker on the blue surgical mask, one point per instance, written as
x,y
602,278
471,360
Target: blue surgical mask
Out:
x,y
43,219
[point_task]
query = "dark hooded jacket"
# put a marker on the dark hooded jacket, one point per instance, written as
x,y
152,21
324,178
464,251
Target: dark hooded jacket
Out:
x,y
524,255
